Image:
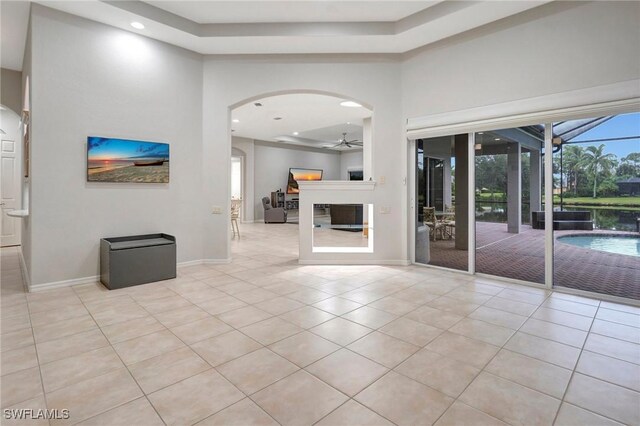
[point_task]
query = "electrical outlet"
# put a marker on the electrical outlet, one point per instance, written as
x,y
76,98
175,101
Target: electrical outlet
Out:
x,y
385,210
216,210
382,180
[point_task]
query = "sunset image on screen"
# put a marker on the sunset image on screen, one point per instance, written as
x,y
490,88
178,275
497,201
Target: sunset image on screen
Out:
x,y
296,175
307,175
123,160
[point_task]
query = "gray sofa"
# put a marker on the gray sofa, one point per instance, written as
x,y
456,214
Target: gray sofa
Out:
x,y
273,214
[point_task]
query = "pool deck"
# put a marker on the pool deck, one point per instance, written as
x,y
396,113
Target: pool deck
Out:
x,y
521,257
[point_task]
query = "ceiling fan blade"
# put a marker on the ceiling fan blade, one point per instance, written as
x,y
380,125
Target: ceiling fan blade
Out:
x,y
337,145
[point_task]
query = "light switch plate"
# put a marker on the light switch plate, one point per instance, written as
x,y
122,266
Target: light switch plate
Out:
x,y
216,210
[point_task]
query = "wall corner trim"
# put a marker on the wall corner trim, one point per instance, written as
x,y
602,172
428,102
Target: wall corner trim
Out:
x,y
25,271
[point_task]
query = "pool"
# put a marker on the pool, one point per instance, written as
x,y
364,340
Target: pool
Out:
x,y
618,244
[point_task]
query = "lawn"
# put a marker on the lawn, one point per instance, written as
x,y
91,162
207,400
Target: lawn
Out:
x,y
600,201
487,196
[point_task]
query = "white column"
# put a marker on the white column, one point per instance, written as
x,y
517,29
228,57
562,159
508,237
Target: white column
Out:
x,y
446,173
367,149
535,181
472,202
548,205
514,188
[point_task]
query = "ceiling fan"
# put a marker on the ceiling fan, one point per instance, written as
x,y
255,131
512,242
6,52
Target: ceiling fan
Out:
x,y
344,143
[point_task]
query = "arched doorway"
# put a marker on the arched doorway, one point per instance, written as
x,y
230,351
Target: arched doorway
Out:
x,y
284,134
11,172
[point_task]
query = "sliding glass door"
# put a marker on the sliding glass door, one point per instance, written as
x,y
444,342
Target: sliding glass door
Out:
x,y
442,210
508,197
596,203
582,233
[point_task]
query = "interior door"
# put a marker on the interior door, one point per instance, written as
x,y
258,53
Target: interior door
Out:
x,y
10,193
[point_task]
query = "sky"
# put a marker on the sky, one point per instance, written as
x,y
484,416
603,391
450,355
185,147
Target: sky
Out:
x,y
619,126
110,149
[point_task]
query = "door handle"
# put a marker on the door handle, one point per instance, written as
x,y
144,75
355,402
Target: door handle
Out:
x,y
1,204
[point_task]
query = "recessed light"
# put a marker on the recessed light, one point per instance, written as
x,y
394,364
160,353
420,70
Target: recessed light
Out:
x,y
137,25
277,118
235,120
350,104
348,122
497,139
295,133
481,133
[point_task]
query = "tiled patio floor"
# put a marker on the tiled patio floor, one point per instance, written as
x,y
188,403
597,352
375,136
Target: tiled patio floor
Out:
x,y
521,257
266,341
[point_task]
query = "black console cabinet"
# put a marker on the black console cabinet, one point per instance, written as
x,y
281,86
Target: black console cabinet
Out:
x,y
139,259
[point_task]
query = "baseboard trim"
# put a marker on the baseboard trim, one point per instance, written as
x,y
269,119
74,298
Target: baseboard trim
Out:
x,y
190,263
396,262
92,279
65,283
204,262
216,261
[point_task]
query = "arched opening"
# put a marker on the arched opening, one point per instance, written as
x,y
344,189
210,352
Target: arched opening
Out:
x,y
11,172
279,138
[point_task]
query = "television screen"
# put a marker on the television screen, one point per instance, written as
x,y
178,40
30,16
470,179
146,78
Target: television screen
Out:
x,y
296,175
123,160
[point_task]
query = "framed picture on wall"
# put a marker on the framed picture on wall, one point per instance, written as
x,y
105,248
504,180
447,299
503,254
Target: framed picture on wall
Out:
x,y
124,160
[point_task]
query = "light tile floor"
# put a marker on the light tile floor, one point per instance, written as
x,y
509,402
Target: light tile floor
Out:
x,y
266,341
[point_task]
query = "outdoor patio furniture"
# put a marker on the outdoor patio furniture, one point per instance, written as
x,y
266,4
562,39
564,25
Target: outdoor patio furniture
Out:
x,y
235,214
435,226
564,220
449,222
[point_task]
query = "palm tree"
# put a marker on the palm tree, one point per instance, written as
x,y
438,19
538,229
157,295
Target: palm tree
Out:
x,y
575,159
597,160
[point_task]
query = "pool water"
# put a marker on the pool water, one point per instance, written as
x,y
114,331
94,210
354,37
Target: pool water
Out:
x,y
617,244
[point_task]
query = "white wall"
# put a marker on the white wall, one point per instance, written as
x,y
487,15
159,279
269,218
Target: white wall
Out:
x,y
232,81
10,89
350,160
267,166
272,168
92,79
555,48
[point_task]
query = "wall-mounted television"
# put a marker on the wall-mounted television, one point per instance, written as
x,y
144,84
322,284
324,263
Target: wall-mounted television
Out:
x,y
124,160
296,175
